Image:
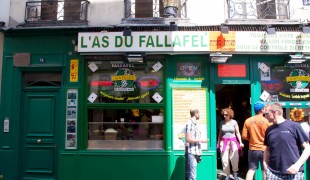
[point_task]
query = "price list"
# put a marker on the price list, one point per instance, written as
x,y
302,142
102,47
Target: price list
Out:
x,y
185,99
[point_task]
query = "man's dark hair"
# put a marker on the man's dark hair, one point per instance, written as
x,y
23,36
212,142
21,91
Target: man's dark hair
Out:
x,y
193,112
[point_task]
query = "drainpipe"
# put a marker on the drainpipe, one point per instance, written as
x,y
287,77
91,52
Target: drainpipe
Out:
x,y
170,8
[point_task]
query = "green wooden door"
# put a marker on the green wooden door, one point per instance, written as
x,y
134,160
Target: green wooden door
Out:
x,y
39,142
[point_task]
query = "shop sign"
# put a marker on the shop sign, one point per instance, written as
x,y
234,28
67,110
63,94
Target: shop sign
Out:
x,y
288,83
74,70
194,41
148,82
148,41
124,80
101,83
189,69
271,86
231,70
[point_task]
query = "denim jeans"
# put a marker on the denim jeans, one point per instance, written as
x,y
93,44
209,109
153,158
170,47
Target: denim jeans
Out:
x,y
191,164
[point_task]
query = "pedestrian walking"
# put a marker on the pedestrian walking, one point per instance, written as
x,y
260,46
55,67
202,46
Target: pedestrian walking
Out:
x,y
284,140
193,145
254,131
229,142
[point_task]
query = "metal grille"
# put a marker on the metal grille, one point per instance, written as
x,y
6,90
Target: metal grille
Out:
x,y
151,8
56,11
258,9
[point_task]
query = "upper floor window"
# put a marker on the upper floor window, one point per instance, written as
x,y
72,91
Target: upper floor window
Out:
x,y
258,9
60,11
155,8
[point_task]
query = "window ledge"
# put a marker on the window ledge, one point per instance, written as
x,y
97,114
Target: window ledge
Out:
x,y
261,21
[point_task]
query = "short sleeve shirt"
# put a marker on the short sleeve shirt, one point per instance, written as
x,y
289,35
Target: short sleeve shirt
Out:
x,y
192,128
285,145
228,130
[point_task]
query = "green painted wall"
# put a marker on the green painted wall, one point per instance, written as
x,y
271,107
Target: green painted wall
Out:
x,y
56,48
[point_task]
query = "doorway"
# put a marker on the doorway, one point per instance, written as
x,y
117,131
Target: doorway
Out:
x,y
39,118
237,97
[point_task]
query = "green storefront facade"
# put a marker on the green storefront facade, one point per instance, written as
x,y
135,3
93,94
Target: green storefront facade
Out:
x,y
61,107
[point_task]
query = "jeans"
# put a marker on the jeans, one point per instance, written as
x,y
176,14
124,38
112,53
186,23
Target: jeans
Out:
x,y
191,166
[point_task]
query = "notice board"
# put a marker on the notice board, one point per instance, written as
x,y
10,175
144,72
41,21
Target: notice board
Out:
x,y
183,100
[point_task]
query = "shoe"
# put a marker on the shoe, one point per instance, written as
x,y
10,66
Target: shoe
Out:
x,y
227,177
236,176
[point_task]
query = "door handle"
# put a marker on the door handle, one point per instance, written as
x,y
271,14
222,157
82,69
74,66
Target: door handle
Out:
x,y
39,141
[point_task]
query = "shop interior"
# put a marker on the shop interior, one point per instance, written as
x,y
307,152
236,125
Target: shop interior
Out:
x,y
238,97
125,129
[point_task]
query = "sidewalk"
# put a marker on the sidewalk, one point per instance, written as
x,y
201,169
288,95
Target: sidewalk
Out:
x,y
221,175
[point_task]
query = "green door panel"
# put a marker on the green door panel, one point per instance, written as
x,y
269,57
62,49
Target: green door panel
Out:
x,y
40,114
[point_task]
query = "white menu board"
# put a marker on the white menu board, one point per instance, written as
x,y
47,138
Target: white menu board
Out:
x,y
185,99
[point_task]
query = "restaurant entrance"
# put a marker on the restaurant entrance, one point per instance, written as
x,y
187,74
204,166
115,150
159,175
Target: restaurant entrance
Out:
x,y
237,97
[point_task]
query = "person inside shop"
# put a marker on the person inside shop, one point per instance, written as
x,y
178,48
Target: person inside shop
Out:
x,y
193,142
229,143
146,117
156,129
128,123
284,140
245,109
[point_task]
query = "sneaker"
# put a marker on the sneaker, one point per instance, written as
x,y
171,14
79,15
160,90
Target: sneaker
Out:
x,y
236,176
227,177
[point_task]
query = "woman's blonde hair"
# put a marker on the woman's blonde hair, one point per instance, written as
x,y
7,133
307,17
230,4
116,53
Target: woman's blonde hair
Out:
x,y
229,111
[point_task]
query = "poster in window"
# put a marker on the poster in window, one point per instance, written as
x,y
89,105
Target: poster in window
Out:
x,y
288,82
71,119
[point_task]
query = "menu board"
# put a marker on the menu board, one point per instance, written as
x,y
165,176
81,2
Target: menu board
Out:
x,y
185,99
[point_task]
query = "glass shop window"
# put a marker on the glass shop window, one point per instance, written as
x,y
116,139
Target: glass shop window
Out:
x,y
125,129
285,82
297,114
120,82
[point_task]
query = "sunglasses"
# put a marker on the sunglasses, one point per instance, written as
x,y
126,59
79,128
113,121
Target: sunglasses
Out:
x,y
225,115
268,112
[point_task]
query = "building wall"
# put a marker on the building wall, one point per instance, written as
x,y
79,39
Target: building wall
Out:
x,y
17,12
111,12
1,58
4,11
105,12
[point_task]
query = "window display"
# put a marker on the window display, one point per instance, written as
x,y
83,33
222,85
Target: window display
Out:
x,y
285,82
120,82
125,105
125,129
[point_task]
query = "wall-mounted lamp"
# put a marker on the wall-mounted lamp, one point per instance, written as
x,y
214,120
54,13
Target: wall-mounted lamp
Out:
x,y
305,29
219,57
173,26
127,31
135,57
297,58
224,29
74,41
270,30
2,24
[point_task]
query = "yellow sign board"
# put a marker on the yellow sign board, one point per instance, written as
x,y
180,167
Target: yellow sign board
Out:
x,y
74,70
